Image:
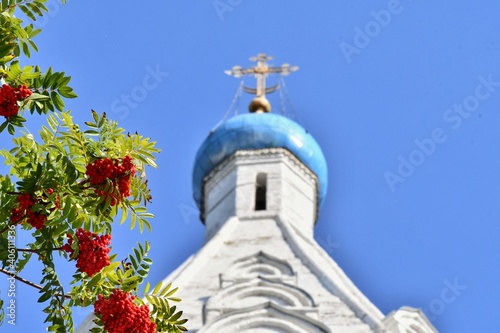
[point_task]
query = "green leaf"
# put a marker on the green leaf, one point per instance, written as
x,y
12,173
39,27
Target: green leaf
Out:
x,y
44,297
91,132
133,261
111,267
124,215
176,316
170,293
102,120
67,92
27,12
58,102
146,288
10,129
35,9
36,96
96,278
165,290
25,47
158,288
4,124
4,247
95,116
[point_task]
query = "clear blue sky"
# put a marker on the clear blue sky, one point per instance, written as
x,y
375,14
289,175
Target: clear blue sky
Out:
x,y
383,85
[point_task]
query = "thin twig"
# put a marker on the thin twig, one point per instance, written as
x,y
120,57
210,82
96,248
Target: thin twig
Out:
x,y
14,193
38,250
29,283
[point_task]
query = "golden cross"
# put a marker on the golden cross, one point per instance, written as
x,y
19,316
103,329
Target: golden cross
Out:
x,y
261,71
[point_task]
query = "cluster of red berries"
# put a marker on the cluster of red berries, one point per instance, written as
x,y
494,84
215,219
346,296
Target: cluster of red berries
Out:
x,y
9,98
22,92
92,251
120,314
119,172
26,201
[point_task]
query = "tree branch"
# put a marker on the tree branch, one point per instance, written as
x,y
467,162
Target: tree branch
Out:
x,y
38,250
29,283
14,193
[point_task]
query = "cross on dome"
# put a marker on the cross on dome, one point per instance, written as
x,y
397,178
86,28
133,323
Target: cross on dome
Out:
x,y
260,72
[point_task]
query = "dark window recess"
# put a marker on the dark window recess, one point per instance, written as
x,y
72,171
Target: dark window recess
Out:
x,y
260,191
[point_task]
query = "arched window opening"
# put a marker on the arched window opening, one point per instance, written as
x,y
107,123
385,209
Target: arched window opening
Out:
x,y
260,191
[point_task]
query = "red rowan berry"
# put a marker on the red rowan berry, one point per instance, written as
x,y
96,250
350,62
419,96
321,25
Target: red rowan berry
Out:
x,y
120,314
116,171
35,219
22,92
8,101
92,251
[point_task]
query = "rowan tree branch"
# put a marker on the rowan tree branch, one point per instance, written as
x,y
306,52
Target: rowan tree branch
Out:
x,y
29,283
38,250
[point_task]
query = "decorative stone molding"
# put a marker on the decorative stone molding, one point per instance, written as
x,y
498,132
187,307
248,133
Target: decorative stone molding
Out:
x,y
408,320
257,280
260,264
256,292
266,317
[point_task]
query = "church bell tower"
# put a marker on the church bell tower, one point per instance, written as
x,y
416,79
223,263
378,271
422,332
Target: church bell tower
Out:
x,y
259,180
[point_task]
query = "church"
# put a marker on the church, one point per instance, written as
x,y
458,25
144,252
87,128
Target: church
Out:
x,y
259,181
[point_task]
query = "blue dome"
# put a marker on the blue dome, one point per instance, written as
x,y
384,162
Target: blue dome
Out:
x,y
257,131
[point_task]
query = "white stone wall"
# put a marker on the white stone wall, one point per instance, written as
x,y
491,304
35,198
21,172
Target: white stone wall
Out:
x,y
262,271
291,188
205,285
213,286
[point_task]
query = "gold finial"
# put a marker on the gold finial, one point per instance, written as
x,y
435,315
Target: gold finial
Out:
x,y
261,71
